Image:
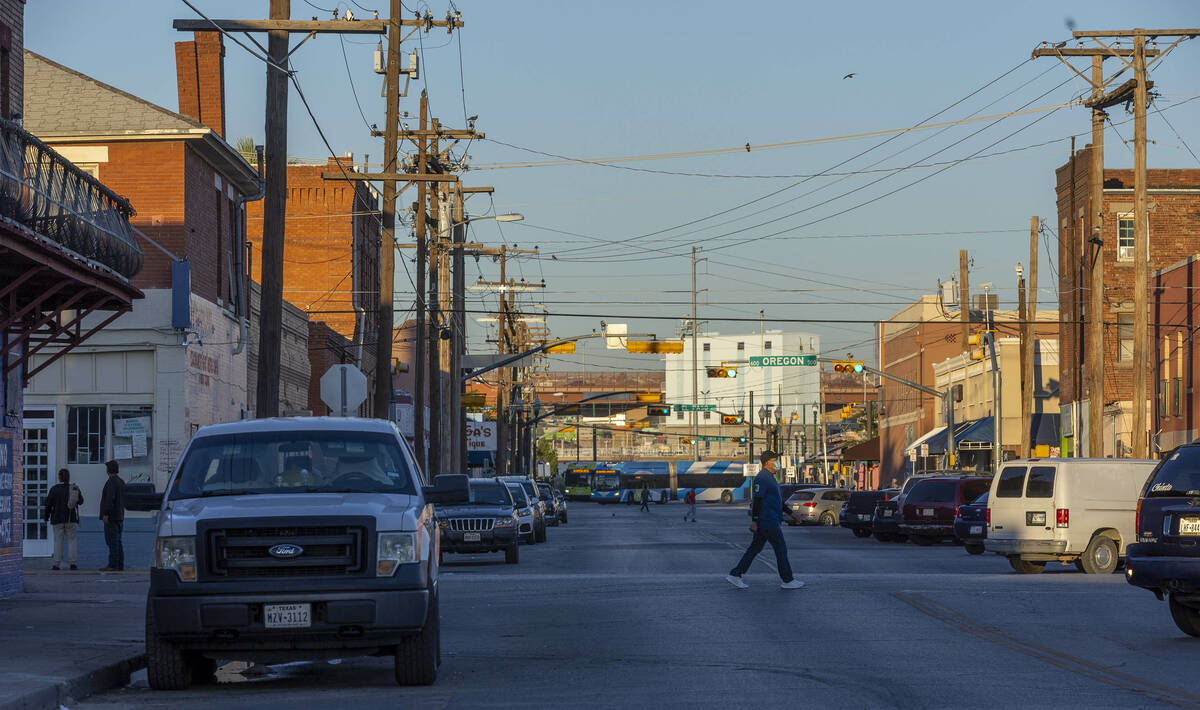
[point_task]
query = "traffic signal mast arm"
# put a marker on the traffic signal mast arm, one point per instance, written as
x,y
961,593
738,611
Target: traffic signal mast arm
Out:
x,y
901,380
542,348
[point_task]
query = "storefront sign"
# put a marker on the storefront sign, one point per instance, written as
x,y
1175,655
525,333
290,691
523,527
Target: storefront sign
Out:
x,y
481,436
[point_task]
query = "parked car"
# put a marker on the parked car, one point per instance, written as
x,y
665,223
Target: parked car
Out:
x,y
561,503
1166,557
525,513
487,522
787,489
930,506
1066,510
294,538
546,495
885,523
817,506
859,509
539,507
970,525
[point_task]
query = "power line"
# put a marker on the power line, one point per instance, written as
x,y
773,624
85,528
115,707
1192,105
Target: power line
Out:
x,y
353,90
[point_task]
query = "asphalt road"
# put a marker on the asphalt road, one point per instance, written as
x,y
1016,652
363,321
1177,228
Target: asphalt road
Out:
x,y
629,609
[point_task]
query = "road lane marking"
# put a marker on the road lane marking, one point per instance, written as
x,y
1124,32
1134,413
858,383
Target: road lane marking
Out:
x,y
1066,661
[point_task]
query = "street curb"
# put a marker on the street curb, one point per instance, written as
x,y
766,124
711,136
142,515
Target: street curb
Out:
x,y
67,691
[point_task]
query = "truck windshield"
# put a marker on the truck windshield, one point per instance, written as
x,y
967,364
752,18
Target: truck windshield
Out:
x,y
1178,476
273,462
490,494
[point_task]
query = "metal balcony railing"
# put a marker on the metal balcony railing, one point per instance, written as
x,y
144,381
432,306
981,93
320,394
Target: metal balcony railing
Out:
x,y
51,196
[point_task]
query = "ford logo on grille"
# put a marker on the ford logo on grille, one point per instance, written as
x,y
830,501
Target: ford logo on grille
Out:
x,y
285,551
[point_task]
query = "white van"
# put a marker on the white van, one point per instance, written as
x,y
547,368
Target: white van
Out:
x,y
1065,510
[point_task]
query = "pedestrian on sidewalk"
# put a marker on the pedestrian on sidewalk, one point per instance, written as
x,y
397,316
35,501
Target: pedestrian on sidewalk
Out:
x,y
646,497
61,510
766,517
690,499
112,512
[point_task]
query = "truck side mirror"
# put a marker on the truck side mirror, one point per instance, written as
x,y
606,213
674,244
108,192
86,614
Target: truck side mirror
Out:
x,y
142,496
448,489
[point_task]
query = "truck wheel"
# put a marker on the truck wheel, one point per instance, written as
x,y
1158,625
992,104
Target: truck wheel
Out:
x,y
862,532
512,555
726,497
1186,618
1100,557
540,533
416,657
167,665
1021,566
973,548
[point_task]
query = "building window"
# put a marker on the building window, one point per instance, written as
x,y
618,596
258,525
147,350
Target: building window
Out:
x,y
679,415
1177,397
707,415
1164,392
85,434
706,347
741,347
767,345
1124,337
1125,237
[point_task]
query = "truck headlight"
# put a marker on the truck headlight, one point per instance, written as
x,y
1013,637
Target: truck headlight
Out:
x,y
395,549
505,522
177,553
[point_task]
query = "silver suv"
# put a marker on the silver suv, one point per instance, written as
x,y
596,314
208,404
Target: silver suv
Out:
x,y
286,539
818,506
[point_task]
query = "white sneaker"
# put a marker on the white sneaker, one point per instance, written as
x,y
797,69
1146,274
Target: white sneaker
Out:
x,y
794,584
736,581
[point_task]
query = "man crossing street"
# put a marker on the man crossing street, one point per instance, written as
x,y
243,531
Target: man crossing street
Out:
x,y
766,516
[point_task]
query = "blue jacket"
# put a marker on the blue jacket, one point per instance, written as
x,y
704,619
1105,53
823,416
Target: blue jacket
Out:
x,y
766,508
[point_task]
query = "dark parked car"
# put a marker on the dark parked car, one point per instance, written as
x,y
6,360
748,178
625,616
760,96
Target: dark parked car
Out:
x,y
546,495
539,507
970,525
1166,557
885,524
860,509
486,523
928,510
561,503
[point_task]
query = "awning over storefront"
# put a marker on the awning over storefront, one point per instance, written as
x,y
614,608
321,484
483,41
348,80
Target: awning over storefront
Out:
x,y
980,434
864,451
930,435
937,445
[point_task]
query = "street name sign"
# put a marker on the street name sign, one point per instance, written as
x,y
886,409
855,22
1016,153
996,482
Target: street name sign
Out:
x,y
782,360
695,407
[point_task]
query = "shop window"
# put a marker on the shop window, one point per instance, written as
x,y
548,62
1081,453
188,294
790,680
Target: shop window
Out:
x,y
85,435
132,441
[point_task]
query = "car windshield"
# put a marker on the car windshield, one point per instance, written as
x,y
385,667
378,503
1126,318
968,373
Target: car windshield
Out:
x,y
1178,475
518,494
932,492
293,462
545,491
489,493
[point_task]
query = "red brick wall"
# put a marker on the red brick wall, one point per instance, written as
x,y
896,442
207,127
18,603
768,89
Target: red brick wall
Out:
x,y
1174,226
911,355
326,348
1175,317
200,74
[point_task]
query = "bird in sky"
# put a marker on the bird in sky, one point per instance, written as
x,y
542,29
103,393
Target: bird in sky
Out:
x,y
850,75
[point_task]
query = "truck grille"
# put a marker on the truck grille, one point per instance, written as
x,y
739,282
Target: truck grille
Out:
x,y
328,551
472,524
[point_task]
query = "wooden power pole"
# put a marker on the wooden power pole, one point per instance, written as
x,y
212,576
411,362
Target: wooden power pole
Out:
x,y
964,299
1028,306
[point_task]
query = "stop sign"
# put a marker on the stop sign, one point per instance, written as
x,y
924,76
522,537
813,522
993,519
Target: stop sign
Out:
x,y
343,388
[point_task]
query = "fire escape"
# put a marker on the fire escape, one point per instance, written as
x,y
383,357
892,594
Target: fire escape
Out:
x,y
67,252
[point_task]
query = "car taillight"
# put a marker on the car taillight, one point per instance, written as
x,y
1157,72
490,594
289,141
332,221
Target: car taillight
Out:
x,y
989,516
810,504
1137,516
1062,518
956,511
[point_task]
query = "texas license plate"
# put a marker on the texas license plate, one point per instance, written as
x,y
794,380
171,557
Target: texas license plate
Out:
x,y
1189,526
863,516
976,529
927,512
887,513
287,616
471,537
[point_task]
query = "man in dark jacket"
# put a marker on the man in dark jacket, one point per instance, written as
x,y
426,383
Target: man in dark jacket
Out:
x,y
61,510
112,512
766,516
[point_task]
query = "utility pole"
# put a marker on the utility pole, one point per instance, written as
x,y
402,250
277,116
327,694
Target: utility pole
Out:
x,y
436,264
502,380
419,369
695,369
1025,367
1030,342
385,317
1094,347
964,299
1141,254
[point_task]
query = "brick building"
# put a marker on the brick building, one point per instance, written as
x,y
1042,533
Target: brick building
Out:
x,y
331,257
68,256
178,361
1175,318
1174,229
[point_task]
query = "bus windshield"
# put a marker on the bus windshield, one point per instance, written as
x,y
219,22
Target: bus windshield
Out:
x,y
577,478
606,481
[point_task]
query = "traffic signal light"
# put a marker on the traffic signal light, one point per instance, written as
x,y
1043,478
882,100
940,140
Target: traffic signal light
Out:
x,y
738,439
658,410
731,419
848,366
722,371
687,441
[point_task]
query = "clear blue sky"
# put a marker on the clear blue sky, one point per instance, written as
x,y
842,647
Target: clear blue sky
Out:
x,y
601,80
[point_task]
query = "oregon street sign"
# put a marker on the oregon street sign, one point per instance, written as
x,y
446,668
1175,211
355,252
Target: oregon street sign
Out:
x,y
695,407
781,360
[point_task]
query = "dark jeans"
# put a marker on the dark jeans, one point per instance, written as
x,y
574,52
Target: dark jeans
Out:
x,y
112,538
646,502
762,537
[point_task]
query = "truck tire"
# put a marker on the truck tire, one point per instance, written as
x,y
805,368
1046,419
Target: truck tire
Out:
x,y
416,657
539,532
512,555
973,548
1021,566
726,497
862,532
167,665
1186,618
1100,557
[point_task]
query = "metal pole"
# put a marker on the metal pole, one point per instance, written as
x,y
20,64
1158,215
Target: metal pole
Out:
x,y
695,368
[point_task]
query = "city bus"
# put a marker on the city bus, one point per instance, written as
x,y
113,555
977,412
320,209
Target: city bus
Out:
x,y
724,481
655,474
577,481
606,484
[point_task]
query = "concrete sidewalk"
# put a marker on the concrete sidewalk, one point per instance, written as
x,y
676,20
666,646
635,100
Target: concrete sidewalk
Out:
x,y
69,635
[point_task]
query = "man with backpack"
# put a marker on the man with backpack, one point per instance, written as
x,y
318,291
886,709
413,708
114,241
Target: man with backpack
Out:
x,y
61,510
690,499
